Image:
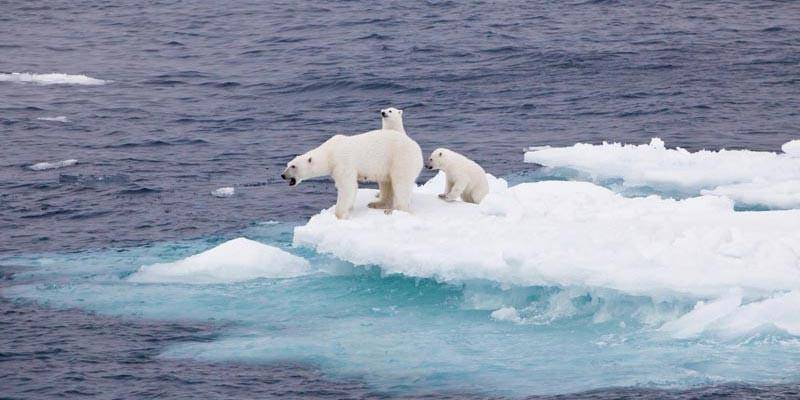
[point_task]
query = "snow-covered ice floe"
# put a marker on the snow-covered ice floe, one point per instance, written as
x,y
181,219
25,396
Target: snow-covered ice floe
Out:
x,y
752,178
577,234
50,79
53,165
236,260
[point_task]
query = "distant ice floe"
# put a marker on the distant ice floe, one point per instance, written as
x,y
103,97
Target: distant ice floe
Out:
x,y
224,192
577,234
60,118
50,79
236,260
745,176
52,165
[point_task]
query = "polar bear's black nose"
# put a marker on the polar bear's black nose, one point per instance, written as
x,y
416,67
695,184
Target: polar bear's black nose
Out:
x,y
383,114
283,176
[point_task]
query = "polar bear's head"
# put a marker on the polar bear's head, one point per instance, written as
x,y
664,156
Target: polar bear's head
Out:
x,y
438,158
392,118
305,166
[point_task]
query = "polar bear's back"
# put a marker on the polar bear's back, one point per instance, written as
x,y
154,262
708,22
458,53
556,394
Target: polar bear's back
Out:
x,y
376,154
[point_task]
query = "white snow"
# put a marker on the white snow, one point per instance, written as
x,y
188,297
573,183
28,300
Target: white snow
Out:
x,y
792,148
50,79
727,316
224,192
658,167
59,118
53,165
573,234
781,195
236,260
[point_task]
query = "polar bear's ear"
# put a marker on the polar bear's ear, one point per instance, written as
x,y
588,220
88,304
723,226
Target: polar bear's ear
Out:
x,y
400,112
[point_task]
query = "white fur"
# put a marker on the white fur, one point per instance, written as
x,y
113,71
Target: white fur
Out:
x,y
392,118
465,178
385,156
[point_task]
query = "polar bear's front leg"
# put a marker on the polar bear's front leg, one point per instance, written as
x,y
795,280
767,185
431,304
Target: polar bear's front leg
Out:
x,y
448,186
456,190
385,195
346,189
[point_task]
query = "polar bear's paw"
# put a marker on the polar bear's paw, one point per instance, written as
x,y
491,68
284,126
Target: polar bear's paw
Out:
x,y
378,205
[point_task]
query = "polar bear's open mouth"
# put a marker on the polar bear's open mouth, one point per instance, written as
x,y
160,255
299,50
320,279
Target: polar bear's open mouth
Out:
x,y
292,181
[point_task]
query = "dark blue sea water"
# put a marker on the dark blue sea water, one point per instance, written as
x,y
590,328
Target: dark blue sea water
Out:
x,y
203,95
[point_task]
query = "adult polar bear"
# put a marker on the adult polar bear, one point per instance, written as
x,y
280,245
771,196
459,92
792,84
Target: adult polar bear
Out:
x,y
386,156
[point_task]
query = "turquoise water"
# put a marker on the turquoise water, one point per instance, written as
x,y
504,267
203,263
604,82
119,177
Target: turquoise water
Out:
x,y
406,335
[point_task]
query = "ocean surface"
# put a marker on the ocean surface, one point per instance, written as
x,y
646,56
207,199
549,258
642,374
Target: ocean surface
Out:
x,y
120,122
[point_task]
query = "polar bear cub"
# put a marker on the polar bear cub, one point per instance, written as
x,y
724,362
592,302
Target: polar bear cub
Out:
x,y
385,156
465,178
392,118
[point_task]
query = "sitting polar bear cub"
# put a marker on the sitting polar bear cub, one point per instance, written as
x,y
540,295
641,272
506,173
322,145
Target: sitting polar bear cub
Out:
x,y
385,156
465,178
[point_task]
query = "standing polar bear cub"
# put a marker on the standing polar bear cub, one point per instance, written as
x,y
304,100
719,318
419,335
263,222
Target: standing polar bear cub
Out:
x,y
465,178
385,156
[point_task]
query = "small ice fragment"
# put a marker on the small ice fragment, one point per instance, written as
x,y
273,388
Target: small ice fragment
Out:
x,y
224,192
51,79
48,165
509,314
59,118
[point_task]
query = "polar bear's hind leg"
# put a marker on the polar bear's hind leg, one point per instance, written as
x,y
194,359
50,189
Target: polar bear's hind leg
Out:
x,y
401,188
385,195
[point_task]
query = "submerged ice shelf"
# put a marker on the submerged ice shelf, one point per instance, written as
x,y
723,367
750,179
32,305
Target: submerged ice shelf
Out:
x,y
236,260
751,178
579,234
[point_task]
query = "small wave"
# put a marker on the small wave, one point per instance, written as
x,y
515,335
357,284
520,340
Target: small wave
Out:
x,y
60,118
53,165
51,79
156,143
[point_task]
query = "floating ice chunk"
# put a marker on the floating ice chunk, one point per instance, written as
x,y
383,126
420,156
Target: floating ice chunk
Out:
x,y
509,314
52,165
572,234
728,317
51,79
704,314
784,194
60,118
233,261
653,165
781,311
224,192
792,148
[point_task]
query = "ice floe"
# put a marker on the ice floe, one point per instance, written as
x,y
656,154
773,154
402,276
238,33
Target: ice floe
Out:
x,y
59,118
50,79
236,260
745,176
574,234
52,165
224,192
